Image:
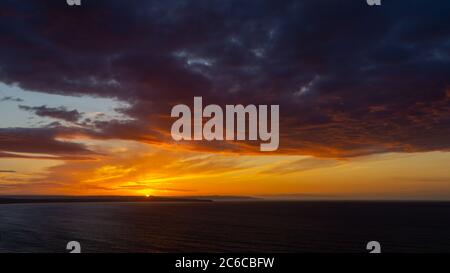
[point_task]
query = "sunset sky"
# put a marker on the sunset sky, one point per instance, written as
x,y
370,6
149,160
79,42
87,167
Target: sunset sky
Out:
x,y
364,93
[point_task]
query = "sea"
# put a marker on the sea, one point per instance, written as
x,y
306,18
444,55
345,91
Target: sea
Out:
x,y
226,227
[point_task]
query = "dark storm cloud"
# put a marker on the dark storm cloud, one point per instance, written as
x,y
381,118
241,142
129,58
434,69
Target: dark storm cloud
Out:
x,y
38,140
51,112
350,79
13,99
57,113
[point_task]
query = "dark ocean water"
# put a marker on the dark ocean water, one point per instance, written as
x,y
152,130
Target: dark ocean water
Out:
x,y
226,227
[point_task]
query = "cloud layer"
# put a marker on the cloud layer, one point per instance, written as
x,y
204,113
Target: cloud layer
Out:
x,y
57,113
350,79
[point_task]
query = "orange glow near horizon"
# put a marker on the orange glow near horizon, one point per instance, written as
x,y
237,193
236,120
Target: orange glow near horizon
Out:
x,y
131,168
